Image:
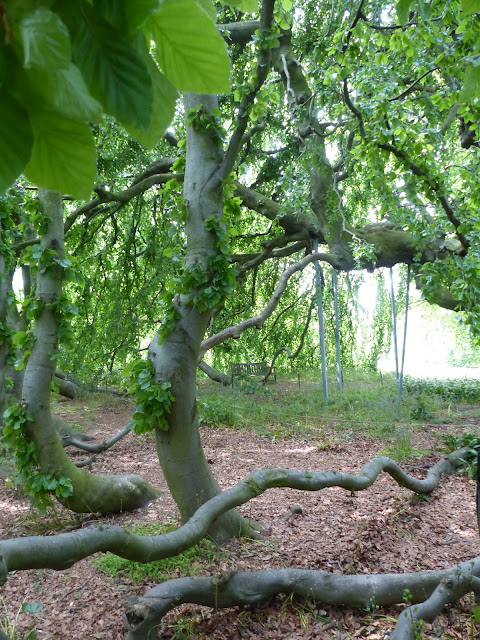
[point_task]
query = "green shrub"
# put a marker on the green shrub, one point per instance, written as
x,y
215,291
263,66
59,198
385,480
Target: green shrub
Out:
x,y
469,440
452,389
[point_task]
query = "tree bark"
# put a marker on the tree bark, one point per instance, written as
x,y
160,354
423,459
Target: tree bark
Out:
x,y
67,388
231,589
65,549
179,448
214,374
91,493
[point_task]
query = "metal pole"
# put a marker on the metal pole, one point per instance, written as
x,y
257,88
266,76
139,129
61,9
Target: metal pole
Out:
x,y
400,382
337,329
321,328
394,323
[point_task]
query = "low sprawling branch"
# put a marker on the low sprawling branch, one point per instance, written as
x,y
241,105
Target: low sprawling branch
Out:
x,y
214,374
239,588
456,583
98,447
65,549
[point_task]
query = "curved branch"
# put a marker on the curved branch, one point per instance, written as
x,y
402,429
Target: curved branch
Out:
x,y
413,85
98,447
259,320
214,374
263,67
239,588
65,549
457,583
238,32
120,196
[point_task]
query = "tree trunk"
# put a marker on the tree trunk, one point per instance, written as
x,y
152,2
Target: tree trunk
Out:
x,y
91,493
179,448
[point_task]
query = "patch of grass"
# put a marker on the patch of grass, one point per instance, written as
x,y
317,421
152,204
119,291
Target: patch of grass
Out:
x,y
215,410
188,563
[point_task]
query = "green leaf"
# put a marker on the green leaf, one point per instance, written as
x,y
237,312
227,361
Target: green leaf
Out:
x,y
114,72
137,12
403,10
32,607
45,39
66,92
163,108
471,85
19,338
125,15
16,139
247,6
64,157
190,51
469,7
209,8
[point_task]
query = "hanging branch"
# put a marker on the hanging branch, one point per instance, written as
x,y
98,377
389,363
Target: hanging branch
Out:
x,y
434,185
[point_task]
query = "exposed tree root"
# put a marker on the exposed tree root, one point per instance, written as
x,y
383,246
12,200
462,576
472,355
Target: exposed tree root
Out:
x,y
230,589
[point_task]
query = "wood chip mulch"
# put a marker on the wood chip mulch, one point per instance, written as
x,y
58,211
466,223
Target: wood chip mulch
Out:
x,y
383,529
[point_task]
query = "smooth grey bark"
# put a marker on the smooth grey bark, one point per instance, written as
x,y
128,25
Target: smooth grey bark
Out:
x,y
214,374
456,583
68,388
79,443
65,549
179,448
91,493
231,589
143,614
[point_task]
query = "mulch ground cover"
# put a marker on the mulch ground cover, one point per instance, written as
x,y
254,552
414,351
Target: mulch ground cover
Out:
x,y
383,529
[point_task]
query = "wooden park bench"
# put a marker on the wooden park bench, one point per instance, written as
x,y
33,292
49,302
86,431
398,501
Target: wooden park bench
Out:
x,y
253,369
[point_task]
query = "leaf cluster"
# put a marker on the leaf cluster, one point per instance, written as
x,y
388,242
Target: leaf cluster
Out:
x,y
64,65
38,485
153,399
453,389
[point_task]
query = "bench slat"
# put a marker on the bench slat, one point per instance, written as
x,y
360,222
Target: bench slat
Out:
x,y
252,369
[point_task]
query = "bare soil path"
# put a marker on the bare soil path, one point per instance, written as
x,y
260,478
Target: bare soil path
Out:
x,y
383,529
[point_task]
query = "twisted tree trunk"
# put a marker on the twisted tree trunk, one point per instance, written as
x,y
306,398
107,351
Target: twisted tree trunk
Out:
x,y
91,493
